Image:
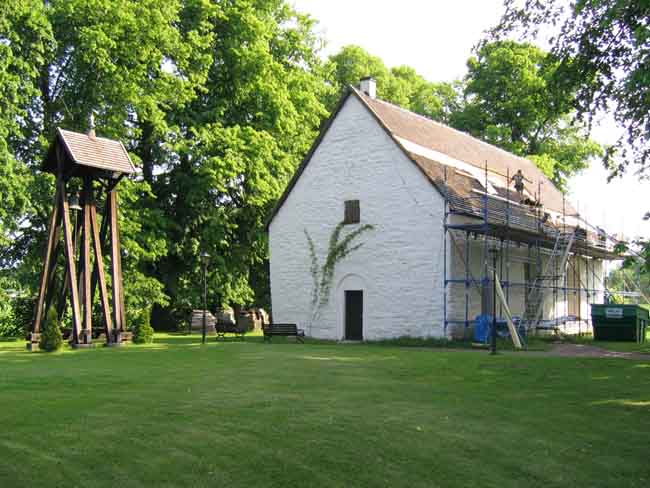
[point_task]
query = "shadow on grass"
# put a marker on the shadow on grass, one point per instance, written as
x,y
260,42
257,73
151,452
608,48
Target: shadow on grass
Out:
x,y
533,344
183,339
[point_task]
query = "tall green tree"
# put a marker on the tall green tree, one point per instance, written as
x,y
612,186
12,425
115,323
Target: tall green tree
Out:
x,y
509,98
400,85
513,101
603,50
234,149
603,47
133,62
216,101
25,43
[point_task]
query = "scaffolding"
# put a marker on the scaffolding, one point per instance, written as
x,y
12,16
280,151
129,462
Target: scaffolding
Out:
x,y
558,260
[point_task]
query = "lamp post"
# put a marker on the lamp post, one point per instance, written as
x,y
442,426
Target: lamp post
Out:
x,y
493,334
205,258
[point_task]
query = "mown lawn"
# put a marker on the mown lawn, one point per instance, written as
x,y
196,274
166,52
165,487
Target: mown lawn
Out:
x,y
252,414
643,347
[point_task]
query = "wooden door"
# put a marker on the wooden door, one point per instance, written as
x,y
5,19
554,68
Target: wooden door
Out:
x,y
354,315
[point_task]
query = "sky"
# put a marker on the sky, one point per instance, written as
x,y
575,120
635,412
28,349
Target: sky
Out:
x,y
436,38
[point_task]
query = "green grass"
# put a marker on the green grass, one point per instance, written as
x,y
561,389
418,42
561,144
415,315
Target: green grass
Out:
x,y
619,346
250,414
532,343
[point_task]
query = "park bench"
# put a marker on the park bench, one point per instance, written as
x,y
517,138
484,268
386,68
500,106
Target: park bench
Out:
x,y
285,330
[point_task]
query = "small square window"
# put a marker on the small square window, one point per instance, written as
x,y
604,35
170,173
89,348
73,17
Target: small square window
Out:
x,y
352,212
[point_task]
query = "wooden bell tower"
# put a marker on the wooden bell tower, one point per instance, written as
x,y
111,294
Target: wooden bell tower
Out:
x,y
94,166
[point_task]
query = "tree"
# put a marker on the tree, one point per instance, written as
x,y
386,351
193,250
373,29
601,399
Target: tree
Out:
x,y
602,47
51,337
400,85
25,41
629,278
602,50
215,101
512,101
132,62
233,152
349,66
509,98
143,332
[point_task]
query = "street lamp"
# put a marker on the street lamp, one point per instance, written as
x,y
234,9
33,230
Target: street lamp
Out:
x,y
493,335
205,259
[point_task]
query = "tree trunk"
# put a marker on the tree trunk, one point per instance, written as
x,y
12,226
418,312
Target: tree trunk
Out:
x,y
147,151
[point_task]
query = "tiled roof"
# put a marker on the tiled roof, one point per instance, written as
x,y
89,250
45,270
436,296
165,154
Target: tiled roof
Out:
x,y
433,136
506,216
454,162
92,151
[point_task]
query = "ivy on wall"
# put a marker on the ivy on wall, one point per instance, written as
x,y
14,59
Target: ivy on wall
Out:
x,y
322,276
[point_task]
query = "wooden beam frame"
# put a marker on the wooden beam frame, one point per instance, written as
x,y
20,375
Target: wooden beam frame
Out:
x,y
100,273
83,246
71,266
48,269
116,266
63,297
102,240
51,284
85,263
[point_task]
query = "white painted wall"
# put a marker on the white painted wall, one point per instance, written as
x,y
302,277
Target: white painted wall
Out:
x,y
399,267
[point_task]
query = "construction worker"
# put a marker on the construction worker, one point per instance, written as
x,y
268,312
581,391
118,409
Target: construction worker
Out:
x,y
519,178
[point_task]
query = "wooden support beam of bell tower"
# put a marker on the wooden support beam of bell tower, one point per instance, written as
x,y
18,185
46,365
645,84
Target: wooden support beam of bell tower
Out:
x,y
74,157
71,266
49,266
85,269
101,276
116,267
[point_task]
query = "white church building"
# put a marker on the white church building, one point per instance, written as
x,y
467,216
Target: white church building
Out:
x,y
395,225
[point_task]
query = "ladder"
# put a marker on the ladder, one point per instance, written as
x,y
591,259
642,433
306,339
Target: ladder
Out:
x,y
554,271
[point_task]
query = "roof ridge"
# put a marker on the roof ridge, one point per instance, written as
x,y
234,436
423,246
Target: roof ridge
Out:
x,y
545,179
95,137
463,133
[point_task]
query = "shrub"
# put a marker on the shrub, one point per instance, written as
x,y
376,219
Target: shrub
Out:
x,y
23,315
141,326
16,313
51,337
8,326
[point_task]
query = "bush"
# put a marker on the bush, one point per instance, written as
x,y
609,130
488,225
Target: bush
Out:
x,y
16,313
8,326
141,327
23,315
51,337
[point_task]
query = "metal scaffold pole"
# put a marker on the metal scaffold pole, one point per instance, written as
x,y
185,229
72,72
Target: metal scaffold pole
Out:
x,y
444,255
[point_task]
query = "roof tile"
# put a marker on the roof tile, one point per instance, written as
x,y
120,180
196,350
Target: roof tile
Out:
x,y
463,147
97,152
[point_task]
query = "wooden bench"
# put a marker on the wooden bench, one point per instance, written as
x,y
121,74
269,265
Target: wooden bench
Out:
x,y
285,330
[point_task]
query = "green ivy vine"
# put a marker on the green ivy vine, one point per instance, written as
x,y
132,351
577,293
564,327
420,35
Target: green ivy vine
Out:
x,y
322,276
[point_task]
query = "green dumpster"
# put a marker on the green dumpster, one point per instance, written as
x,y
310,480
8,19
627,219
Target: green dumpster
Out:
x,y
620,322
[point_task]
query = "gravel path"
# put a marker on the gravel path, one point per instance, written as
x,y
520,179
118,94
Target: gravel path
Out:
x,y
581,350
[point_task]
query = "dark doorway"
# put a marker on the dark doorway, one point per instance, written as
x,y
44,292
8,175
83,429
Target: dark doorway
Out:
x,y
354,315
